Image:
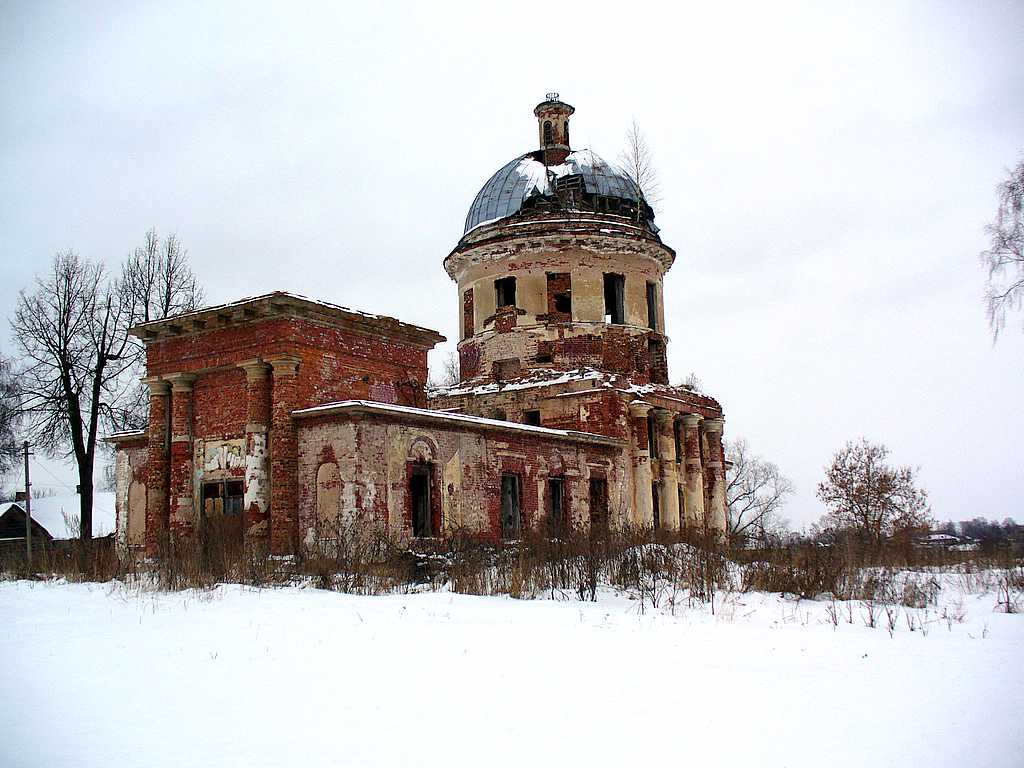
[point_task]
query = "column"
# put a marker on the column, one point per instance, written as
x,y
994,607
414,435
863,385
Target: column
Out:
x,y
284,461
643,501
181,512
157,464
693,492
716,474
257,471
669,476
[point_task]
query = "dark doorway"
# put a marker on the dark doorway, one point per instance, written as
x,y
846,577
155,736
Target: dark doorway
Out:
x,y
419,493
223,520
510,512
556,504
656,505
598,506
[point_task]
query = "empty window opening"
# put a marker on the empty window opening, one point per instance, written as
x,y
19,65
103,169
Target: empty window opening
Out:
x,y
556,504
419,492
652,305
499,414
549,137
467,313
505,292
532,418
544,357
677,434
598,506
682,508
223,497
565,129
652,436
656,505
614,298
510,513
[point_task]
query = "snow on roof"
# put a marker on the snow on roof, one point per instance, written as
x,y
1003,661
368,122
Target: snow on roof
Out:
x,y
541,379
55,513
448,416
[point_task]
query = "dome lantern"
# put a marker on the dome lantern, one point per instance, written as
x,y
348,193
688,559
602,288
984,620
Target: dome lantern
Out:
x,y
553,128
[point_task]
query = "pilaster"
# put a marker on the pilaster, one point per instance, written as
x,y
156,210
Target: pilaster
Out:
x,y
257,471
284,530
181,492
157,464
643,500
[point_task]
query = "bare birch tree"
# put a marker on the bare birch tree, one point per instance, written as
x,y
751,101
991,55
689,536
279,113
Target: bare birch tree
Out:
x,y
80,366
755,491
637,162
1004,259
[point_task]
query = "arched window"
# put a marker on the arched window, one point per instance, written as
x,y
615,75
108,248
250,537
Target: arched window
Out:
x,y
548,133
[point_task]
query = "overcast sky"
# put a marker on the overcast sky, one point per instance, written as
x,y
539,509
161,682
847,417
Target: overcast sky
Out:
x,y
827,176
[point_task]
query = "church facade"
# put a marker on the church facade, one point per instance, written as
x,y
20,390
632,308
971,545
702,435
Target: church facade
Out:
x,y
277,418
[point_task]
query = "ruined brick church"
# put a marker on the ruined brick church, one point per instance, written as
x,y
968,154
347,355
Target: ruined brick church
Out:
x,y
277,417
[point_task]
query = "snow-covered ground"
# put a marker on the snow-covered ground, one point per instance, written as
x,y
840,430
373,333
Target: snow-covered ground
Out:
x,y
100,675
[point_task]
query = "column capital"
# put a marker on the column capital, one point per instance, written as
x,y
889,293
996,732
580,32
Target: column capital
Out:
x,y
639,408
157,386
255,369
714,426
691,420
664,417
181,382
284,365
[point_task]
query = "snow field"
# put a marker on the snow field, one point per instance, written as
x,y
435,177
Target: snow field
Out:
x,y
101,675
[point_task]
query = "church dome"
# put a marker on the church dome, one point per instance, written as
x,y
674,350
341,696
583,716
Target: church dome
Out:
x,y
598,185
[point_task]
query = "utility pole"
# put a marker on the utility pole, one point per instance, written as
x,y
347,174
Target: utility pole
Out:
x,y
28,511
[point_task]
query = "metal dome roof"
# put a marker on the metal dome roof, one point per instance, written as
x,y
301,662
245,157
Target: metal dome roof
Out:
x,y
505,192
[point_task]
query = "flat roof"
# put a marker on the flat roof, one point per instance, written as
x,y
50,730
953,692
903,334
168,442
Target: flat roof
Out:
x,y
447,418
283,303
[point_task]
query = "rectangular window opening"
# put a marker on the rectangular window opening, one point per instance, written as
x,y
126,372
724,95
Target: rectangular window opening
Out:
x,y
652,305
532,418
505,292
614,298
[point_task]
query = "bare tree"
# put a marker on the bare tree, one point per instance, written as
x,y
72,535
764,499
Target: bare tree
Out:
x,y
448,375
870,498
157,280
755,491
9,417
72,333
80,372
1004,260
638,164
